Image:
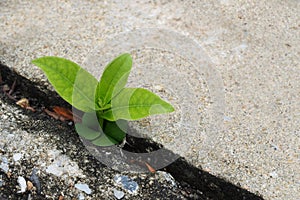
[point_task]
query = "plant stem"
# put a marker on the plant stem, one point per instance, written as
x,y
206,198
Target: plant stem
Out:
x,y
100,119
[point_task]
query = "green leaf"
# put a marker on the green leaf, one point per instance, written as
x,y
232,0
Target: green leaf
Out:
x,y
89,128
86,132
104,141
114,132
113,79
90,120
107,106
72,83
136,103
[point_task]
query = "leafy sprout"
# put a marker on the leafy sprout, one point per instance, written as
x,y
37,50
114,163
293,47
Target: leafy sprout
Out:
x,y
107,104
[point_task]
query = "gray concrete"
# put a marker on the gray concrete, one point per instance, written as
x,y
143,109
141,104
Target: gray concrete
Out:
x,y
254,46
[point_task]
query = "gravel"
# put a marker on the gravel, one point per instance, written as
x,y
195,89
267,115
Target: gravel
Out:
x,y
59,167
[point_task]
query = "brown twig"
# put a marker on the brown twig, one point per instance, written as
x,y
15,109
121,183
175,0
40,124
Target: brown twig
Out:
x,y
30,108
4,89
8,91
13,87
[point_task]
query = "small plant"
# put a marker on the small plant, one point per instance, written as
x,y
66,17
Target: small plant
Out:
x,y
107,104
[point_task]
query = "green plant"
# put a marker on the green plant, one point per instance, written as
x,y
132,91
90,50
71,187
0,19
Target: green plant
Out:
x,y
107,104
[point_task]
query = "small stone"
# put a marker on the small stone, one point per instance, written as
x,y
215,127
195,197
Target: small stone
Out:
x,y
227,118
35,179
128,184
8,174
1,181
55,170
118,194
22,184
4,165
159,88
5,88
80,196
273,174
29,185
17,156
168,177
83,187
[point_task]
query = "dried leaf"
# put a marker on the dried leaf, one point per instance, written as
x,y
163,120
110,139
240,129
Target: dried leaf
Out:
x,y
24,103
66,113
62,114
53,114
150,168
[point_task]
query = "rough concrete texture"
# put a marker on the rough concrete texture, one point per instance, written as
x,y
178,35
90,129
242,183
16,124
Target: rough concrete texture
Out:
x,y
254,45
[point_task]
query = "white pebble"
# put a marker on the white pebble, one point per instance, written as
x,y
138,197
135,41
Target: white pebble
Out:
x,y
55,170
22,184
4,165
126,182
168,177
1,181
273,174
118,194
17,156
83,187
159,87
80,196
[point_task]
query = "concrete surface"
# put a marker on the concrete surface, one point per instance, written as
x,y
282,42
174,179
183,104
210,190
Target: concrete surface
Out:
x,y
254,45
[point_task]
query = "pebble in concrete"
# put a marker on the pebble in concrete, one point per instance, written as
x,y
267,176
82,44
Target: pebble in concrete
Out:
x,y
4,165
118,194
17,156
128,184
83,187
22,184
